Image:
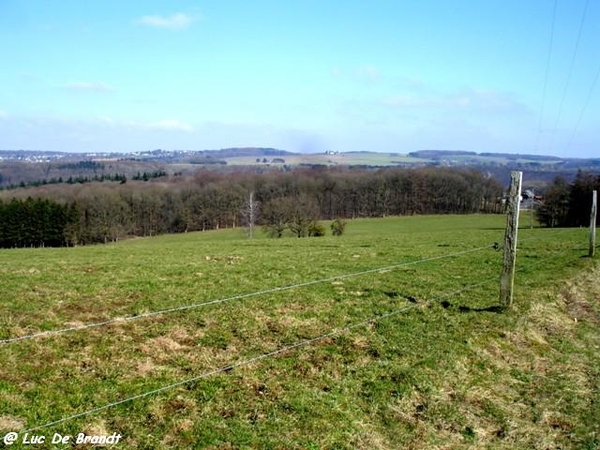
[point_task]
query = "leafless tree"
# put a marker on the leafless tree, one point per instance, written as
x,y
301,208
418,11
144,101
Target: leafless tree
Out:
x,y
250,214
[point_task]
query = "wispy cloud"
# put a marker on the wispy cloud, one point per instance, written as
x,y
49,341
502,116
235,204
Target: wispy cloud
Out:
x,y
161,125
478,100
27,77
171,125
177,21
410,83
336,72
86,86
368,73
3,114
107,119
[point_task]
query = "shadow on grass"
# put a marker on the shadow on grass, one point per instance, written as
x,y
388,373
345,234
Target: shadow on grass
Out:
x,y
393,294
467,309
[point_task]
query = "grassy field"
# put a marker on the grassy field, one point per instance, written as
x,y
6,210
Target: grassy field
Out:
x,y
344,159
380,159
444,370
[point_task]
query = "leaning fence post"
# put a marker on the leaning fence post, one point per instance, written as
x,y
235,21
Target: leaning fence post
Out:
x,y
507,278
593,224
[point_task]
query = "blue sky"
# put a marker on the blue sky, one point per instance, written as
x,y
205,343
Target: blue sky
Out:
x,y
310,76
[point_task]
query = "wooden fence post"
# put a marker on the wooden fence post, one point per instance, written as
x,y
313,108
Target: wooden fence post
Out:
x,y
507,278
593,224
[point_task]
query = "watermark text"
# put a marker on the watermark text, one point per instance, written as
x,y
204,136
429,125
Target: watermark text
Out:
x,y
27,438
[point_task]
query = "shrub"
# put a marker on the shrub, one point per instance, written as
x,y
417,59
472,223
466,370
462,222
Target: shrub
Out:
x,y
338,226
315,229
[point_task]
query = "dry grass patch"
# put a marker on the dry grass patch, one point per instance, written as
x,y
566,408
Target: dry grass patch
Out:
x,y
11,423
582,297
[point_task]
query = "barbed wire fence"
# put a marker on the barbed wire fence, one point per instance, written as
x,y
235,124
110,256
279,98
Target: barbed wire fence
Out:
x,y
506,287
121,320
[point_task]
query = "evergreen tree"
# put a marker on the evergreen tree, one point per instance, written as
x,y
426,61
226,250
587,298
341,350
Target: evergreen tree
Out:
x,y
554,209
580,199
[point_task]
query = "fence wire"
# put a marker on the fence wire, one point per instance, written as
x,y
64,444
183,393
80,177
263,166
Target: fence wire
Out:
x,y
126,319
272,354
246,362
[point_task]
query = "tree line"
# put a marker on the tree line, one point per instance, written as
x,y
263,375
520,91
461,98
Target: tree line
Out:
x,y
120,177
294,201
37,223
73,180
569,204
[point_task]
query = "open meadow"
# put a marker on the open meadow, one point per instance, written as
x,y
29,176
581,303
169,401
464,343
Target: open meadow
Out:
x,y
389,336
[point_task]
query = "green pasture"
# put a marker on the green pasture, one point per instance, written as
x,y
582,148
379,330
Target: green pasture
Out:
x,y
445,370
343,159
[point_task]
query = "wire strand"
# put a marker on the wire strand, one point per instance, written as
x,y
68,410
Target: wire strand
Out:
x,y
537,140
122,320
273,353
564,95
249,361
583,110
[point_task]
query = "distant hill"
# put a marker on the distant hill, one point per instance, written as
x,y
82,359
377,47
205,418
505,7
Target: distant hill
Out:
x,y
248,151
445,154
515,156
436,154
40,167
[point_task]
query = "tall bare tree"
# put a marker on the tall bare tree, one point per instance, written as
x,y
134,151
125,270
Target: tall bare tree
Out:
x,y
250,214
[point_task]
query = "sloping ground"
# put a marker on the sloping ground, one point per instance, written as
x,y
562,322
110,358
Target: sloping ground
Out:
x,y
447,372
559,350
529,379
536,386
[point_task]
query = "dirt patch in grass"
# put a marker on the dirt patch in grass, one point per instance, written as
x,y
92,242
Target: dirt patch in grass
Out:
x,y
11,423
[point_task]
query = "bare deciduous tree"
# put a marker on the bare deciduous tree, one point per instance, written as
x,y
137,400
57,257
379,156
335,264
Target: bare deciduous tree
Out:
x,y
250,214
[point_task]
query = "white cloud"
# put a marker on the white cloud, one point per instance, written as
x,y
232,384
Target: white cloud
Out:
x,y
177,21
493,100
3,114
172,125
411,83
161,125
478,100
407,101
107,120
336,72
86,86
368,74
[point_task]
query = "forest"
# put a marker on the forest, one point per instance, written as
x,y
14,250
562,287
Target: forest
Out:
x,y
36,223
279,202
96,212
569,204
